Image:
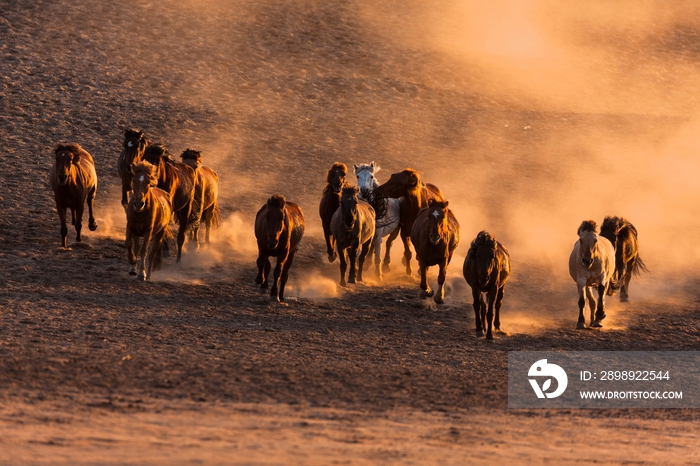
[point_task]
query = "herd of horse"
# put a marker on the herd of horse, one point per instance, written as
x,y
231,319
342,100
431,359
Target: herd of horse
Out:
x,y
156,189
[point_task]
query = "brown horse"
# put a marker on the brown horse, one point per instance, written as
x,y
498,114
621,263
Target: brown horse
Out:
x,y
74,181
353,228
330,202
179,181
135,143
407,184
148,217
592,264
623,236
206,194
435,235
486,270
279,227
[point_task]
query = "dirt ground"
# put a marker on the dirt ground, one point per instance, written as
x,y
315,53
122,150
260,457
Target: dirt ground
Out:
x,y
197,366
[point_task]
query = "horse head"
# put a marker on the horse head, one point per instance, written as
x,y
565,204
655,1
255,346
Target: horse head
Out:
x,y
348,206
402,183
336,176
135,143
191,157
275,218
145,178
485,245
588,240
67,155
365,178
437,221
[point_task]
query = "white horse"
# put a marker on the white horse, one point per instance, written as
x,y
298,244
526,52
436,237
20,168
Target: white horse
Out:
x,y
388,211
592,264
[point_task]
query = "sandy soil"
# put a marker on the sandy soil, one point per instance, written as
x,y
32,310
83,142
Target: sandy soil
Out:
x,y
197,366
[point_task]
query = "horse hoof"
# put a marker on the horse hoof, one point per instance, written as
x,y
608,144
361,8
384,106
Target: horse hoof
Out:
x,y
331,257
439,300
596,324
132,272
489,336
599,317
580,326
258,281
351,280
386,268
624,299
141,277
92,226
165,252
479,333
343,284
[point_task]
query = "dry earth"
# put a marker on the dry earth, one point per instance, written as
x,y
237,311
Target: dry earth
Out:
x,y
197,366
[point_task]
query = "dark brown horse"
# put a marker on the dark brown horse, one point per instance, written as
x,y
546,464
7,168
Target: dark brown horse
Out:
x,y
179,181
148,217
206,195
135,143
407,184
486,269
353,229
279,227
330,202
74,181
435,236
623,236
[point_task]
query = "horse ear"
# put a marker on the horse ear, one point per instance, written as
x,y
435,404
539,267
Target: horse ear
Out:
x,y
76,157
356,167
446,203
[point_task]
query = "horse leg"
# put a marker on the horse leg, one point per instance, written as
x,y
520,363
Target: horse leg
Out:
x,y
131,247
363,254
591,302
378,256
274,292
426,292
499,302
387,254
581,303
153,249
624,297
343,266
263,271
440,296
78,215
208,214
489,314
476,296
600,312
92,224
330,241
142,255
64,229
285,274
181,232
126,189
482,310
352,255
407,255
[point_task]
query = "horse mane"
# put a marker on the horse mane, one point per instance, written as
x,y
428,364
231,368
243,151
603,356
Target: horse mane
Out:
x,y
72,147
350,189
278,201
588,225
377,200
156,152
440,204
191,154
146,168
484,238
133,133
616,224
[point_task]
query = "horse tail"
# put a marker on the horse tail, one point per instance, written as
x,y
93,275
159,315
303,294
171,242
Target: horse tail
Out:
x,y
215,215
639,267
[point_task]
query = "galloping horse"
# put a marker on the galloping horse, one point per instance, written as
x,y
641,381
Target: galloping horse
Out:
x,y
592,263
179,181
623,236
435,235
135,143
330,202
387,211
486,270
148,217
206,195
279,227
74,181
407,184
353,228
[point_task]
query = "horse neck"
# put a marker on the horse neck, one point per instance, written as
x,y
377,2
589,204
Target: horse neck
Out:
x,y
332,198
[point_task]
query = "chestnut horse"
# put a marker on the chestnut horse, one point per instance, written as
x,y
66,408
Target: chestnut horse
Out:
x,y
353,228
592,263
135,143
279,227
623,236
330,201
435,235
486,270
179,181
407,184
148,217
74,181
206,193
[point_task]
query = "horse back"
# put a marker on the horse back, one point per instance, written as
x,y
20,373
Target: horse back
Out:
x,y
181,180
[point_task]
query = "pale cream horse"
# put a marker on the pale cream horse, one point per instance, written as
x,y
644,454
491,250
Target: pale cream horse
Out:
x,y
592,264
